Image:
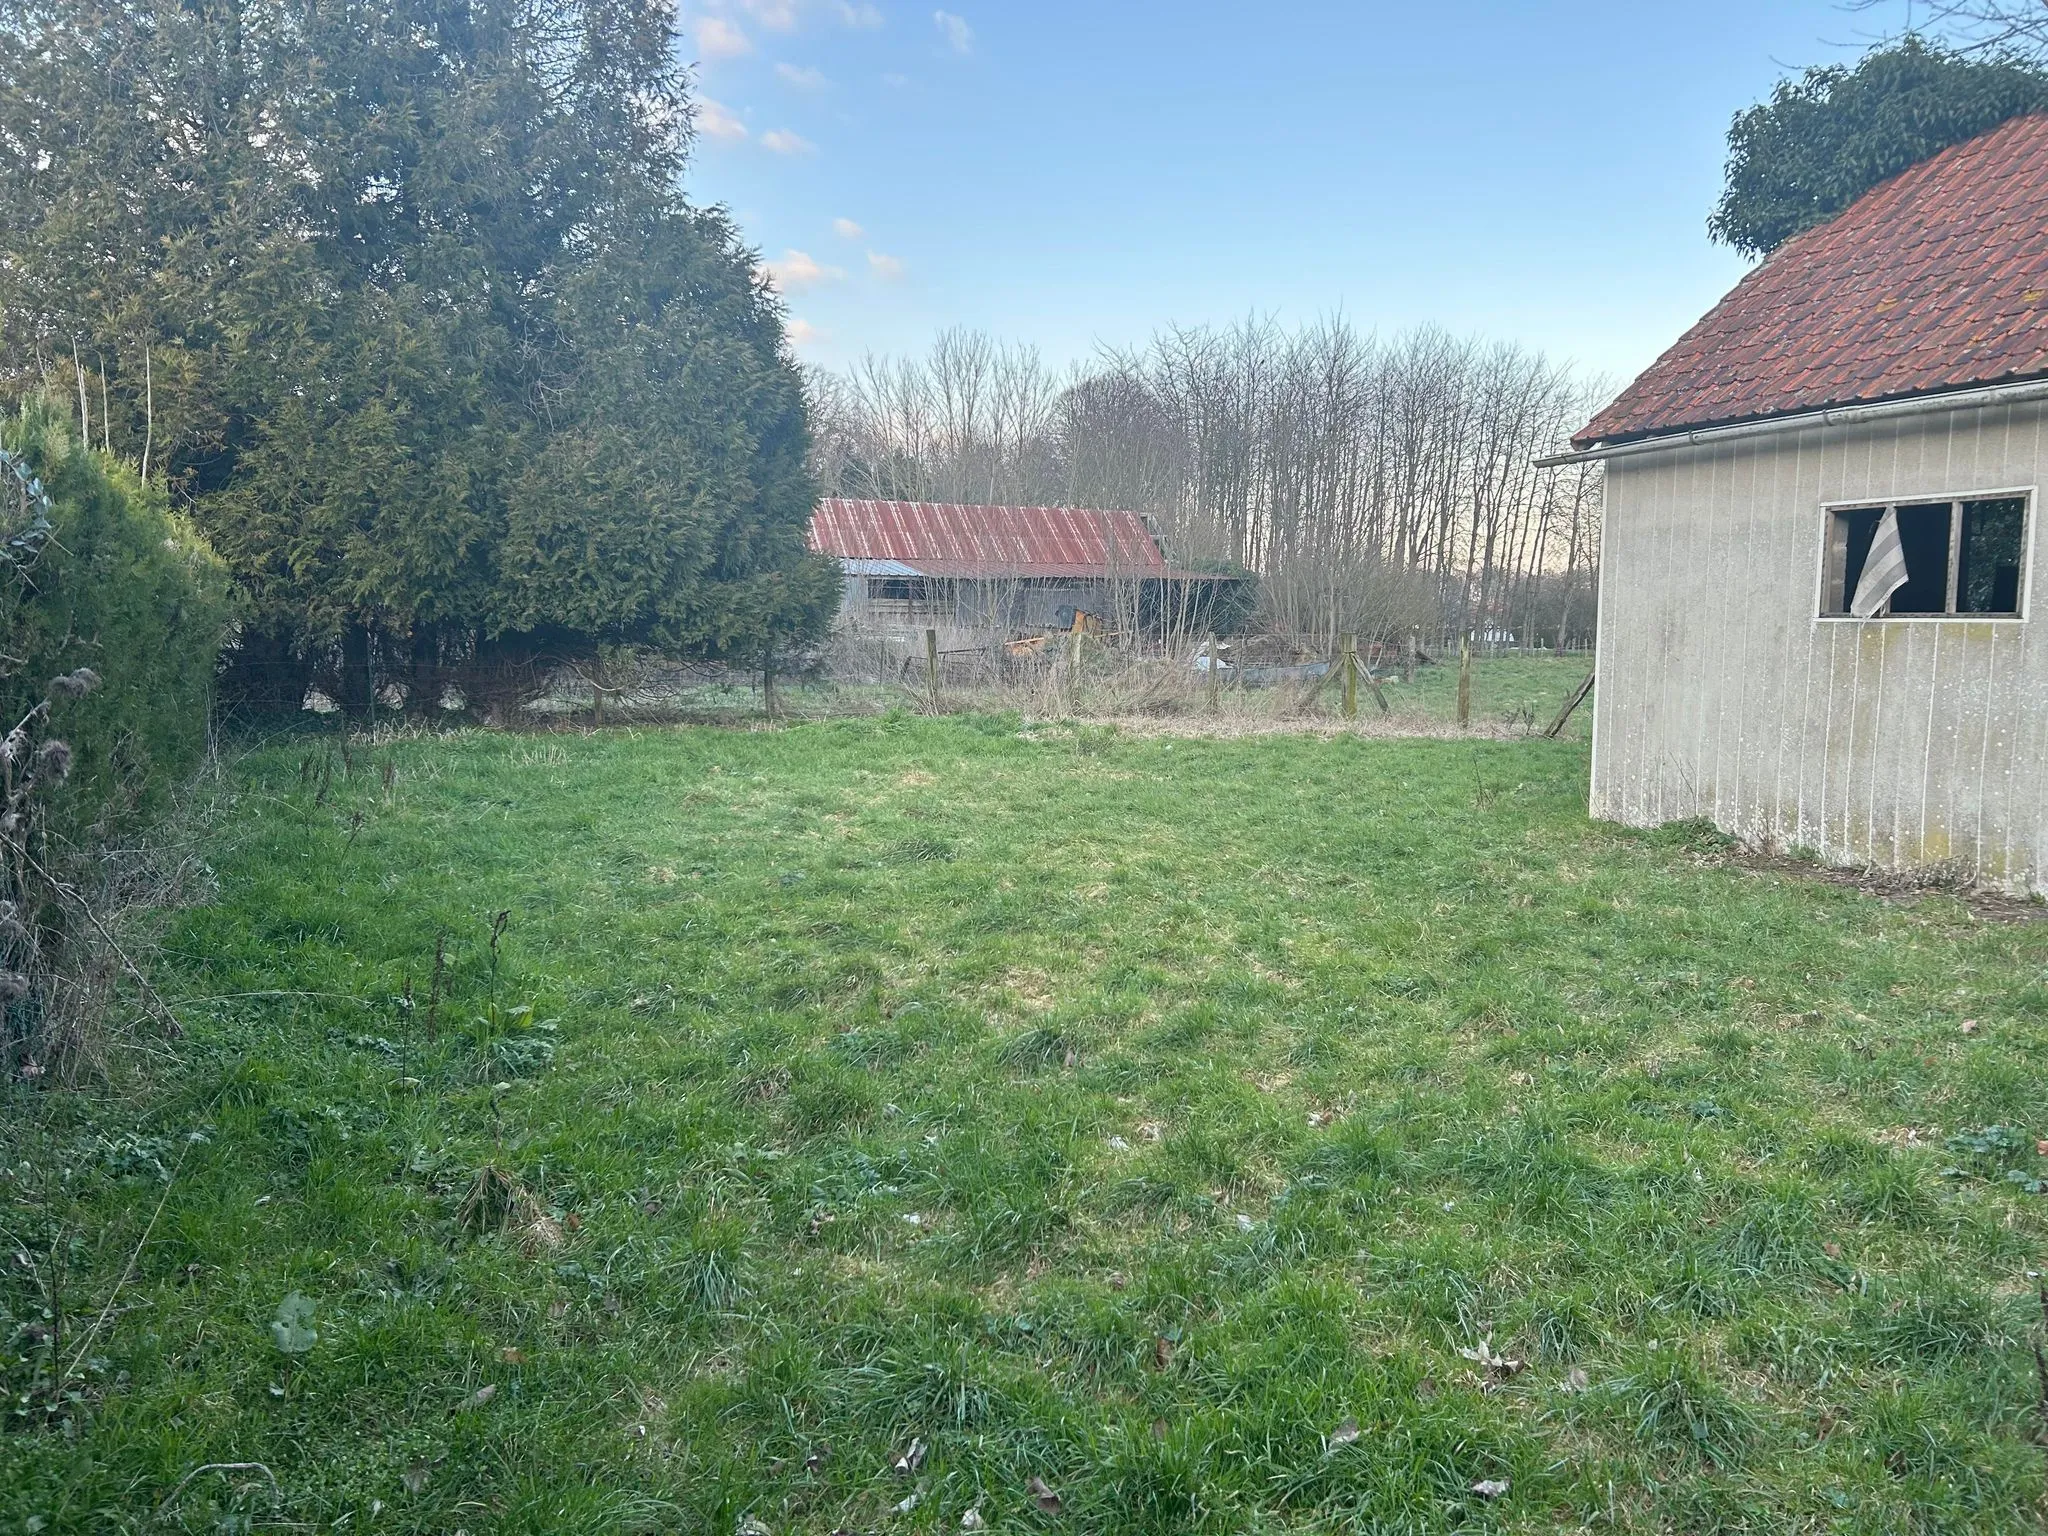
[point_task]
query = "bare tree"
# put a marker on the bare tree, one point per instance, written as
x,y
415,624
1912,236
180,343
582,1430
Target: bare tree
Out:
x,y
1978,26
1375,487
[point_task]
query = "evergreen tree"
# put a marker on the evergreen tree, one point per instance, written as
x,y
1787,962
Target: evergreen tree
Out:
x,y
440,359
1825,139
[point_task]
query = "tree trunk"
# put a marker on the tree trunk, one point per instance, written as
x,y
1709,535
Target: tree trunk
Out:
x,y
356,681
424,684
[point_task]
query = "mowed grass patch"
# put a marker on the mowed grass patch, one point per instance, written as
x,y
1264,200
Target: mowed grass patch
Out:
x,y
1267,1134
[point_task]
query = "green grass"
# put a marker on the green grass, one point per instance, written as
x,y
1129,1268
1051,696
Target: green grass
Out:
x,y
1124,1113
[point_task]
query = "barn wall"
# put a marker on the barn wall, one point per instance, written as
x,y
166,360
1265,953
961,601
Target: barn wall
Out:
x,y
1722,695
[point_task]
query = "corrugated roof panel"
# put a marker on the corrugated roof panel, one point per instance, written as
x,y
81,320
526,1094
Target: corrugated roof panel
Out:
x,y
952,539
1935,280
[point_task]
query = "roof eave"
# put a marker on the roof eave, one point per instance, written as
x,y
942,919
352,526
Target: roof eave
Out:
x,y
2005,392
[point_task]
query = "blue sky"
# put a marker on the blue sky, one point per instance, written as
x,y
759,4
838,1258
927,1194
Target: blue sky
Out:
x,y
1078,174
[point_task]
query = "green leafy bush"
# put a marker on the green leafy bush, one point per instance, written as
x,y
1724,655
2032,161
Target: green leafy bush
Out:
x,y
128,588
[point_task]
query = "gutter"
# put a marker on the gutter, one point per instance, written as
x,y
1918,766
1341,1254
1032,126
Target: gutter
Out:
x,y
1841,415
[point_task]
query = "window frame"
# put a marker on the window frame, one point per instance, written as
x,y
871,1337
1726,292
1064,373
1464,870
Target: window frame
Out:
x,y
1826,574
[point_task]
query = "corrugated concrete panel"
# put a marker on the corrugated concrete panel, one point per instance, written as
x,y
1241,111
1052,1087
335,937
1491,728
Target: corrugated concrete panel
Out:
x,y
1723,694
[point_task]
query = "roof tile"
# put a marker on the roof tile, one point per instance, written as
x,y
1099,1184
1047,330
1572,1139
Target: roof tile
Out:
x,y
1928,282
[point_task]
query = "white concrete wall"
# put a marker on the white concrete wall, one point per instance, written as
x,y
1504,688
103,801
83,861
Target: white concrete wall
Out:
x,y
1898,743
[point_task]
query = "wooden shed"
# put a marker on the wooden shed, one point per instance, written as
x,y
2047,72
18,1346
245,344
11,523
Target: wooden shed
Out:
x,y
1820,549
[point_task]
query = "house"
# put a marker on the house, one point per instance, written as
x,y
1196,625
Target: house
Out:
x,y
984,574
1820,552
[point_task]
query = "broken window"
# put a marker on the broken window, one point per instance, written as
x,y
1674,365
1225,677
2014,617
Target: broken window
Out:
x,y
1924,559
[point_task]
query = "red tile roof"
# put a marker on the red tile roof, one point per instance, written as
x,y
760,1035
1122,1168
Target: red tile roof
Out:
x,y
948,539
1935,280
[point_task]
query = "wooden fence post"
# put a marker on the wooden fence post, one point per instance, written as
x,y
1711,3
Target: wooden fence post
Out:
x,y
1215,682
931,667
1350,665
1464,682
1408,661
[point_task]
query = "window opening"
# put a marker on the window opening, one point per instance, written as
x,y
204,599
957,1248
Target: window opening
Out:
x,y
1935,558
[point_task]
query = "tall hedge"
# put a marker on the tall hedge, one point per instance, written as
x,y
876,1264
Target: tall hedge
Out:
x,y
128,588
418,324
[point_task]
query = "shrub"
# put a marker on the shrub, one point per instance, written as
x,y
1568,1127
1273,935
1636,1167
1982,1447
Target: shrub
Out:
x,y
129,589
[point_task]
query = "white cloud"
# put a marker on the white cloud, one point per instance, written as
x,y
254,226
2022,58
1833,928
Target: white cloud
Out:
x,y
783,142
799,269
886,267
718,38
802,77
718,121
846,229
801,332
958,35
775,15
864,16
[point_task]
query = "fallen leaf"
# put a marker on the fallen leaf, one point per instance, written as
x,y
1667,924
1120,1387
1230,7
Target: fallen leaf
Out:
x,y
751,1525
1047,1501
292,1330
972,1521
907,1464
1968,1026
573,1222
1575,1379
512,1356
1162,1352
479,1397
558,1308
1159,1429
1490,1487
1118,1144
1118,1279
1425,1388
907,1505
1344,1434
1832,1250
1244,1222
1486,1359
819,1457
416,1476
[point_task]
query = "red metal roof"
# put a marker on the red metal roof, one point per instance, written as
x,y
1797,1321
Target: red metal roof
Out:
x,y
1935,280
949,539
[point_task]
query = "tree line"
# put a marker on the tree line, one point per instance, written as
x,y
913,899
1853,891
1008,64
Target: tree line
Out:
x,y
405,306
1373,485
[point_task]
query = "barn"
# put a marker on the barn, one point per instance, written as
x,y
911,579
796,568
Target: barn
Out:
x,y
982,574
1820,548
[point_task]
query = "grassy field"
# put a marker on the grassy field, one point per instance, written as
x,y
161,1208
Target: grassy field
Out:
x,y
877,1125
